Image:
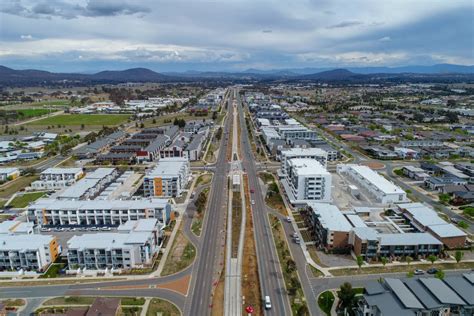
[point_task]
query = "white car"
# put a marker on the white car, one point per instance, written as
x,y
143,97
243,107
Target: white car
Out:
x,y
288,219
253,202
268,304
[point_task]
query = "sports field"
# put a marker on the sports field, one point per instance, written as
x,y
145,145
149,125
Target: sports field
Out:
x,y
86,119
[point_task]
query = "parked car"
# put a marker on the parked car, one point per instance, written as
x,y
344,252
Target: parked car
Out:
x,y
297,240
432,270
106,228
44,229
454,220
295,235
418,272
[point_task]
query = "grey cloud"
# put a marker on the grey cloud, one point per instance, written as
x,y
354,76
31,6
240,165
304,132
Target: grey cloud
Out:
x,y
58,8
344,24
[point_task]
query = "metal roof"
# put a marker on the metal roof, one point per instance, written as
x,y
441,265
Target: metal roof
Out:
x,y
441,291
423,295
403,293
462,287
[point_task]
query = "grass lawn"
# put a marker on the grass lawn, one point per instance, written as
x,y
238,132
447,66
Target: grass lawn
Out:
x,y
468,211
30,113
88,300
14,302
161,306
181,255
22,201
196,227
325,301
86,119
16,185
402,268
204,179
53,271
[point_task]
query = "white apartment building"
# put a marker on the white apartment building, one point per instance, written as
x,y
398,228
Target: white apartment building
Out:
x,y
89,186
27,252
379,188
9,173
16,228
306,180
53,212
297,132
168,178
311,153
133,246
57,178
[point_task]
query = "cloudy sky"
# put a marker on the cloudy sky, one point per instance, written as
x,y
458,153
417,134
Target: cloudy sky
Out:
x,y
178,35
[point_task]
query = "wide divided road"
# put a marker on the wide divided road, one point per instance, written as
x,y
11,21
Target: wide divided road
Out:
x,y
271,278
204,271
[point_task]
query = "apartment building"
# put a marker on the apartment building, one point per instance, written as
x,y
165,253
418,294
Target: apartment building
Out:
x,y
168,178
329,226
9,174
368,243
379,188
53,212
16,228
424,218
288,132
306,180
134,245
89,186
310,153
27,252
57,178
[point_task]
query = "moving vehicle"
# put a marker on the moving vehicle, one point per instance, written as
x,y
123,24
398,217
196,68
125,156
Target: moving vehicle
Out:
x,y
252,190
288,219
418,272
268,304
432,271
253,202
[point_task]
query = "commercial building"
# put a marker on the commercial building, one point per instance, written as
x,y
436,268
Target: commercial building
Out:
x,y
53,212
424,218
306,180
311,153
27,252
57,178
134,245
382,190
329,226
423,296
168,178
9,174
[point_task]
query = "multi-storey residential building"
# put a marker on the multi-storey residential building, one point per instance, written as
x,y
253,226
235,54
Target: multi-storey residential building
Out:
x,y
89,186
16,228
382,190
57,178
9,174
133,245
28,252
329,226
168,178
52,212
306,180
312,153
369,243
297,132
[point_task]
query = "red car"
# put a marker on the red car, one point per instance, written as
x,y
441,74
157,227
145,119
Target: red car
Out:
x,y
252,191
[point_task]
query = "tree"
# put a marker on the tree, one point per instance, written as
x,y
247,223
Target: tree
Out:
x,y
302,310
432,258
409,259
439,274
384,261
458,255
346,295
290,266
360,261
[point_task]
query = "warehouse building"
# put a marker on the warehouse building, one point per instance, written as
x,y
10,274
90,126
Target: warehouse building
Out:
x,y
306,180
134,245
168,179
382,190
27,252
52,212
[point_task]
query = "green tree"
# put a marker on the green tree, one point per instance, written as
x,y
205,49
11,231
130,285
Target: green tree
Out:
x,y
360,261
384,261
302,310
409,259
290,266
346,295
458,255
439,274
432,258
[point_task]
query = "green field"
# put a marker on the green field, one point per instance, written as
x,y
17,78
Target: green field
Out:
x,y
86,119
21,201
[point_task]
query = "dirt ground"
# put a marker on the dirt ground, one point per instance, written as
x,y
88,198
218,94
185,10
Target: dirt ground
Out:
x,y
250,280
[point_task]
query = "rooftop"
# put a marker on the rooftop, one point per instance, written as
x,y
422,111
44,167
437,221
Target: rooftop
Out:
x,y
307,166
330,217
376,179
98,204
24,242
168,166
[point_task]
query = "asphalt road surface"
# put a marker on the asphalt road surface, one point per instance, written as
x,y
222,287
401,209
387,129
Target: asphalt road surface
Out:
x,y
271,277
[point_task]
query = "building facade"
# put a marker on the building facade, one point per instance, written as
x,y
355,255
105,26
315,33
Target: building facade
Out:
x,y
168,179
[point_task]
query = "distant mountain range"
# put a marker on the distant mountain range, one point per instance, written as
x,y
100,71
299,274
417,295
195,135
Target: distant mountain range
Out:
x,y
12,77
